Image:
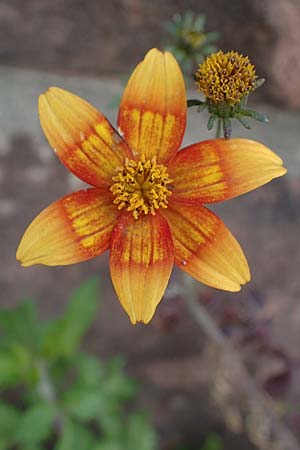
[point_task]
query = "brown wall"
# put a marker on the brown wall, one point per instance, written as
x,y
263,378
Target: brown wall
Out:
x,y
98,36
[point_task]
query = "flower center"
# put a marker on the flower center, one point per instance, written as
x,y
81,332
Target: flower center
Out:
x,y
141,186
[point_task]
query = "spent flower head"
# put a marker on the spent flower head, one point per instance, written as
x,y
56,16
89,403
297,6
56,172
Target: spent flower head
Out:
x,y
226,80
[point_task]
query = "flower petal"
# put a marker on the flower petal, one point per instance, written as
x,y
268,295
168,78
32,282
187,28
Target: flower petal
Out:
x,y
73,229
152,113
205,248
219,169
141,262
81,136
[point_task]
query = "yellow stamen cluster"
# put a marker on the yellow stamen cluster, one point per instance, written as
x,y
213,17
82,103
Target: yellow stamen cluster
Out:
x,y
226,77
141,186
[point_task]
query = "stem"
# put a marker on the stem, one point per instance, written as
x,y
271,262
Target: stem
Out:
x,y
219,128
46,390
199,313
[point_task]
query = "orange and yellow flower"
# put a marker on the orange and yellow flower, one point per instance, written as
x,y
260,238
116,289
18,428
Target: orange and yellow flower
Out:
x,y
146,200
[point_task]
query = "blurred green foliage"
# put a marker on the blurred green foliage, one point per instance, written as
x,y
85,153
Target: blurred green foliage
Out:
x,y
55,396
189,42
212,442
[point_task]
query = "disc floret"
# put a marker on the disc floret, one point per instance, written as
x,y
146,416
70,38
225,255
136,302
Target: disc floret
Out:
x,y
226,80
226,77
141,186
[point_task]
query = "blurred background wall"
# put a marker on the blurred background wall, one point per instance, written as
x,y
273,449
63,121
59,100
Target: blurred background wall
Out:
x,y
106,37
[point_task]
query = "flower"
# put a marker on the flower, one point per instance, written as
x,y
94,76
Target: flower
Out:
x,y
189,41
226,77
226,80
146,200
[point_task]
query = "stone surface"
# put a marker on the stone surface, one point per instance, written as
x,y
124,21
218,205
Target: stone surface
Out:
x,y
100,37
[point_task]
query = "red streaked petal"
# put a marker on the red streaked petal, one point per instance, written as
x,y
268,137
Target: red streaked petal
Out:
x,y
141,262
73,229
205,248
219,169
152,115
81,136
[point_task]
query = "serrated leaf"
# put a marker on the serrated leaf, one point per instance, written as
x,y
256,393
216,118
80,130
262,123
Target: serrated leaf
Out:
x,y
62,336
9,417
75,437
35,425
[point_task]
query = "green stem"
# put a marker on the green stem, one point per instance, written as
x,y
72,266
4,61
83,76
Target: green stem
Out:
x,y
219,128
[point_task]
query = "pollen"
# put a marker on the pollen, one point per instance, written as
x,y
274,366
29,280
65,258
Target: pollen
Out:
x,y
141,187
226,77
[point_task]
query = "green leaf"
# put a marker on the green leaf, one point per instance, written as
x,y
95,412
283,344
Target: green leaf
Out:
x,y
15,365
20,324
140,433
35,447
9,417
110,444
75,437
82,403
89,369
98,392
115,383
62,336
35,425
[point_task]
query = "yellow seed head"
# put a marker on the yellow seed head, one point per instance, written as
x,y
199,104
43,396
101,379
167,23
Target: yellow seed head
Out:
x,y
141,186
226,77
